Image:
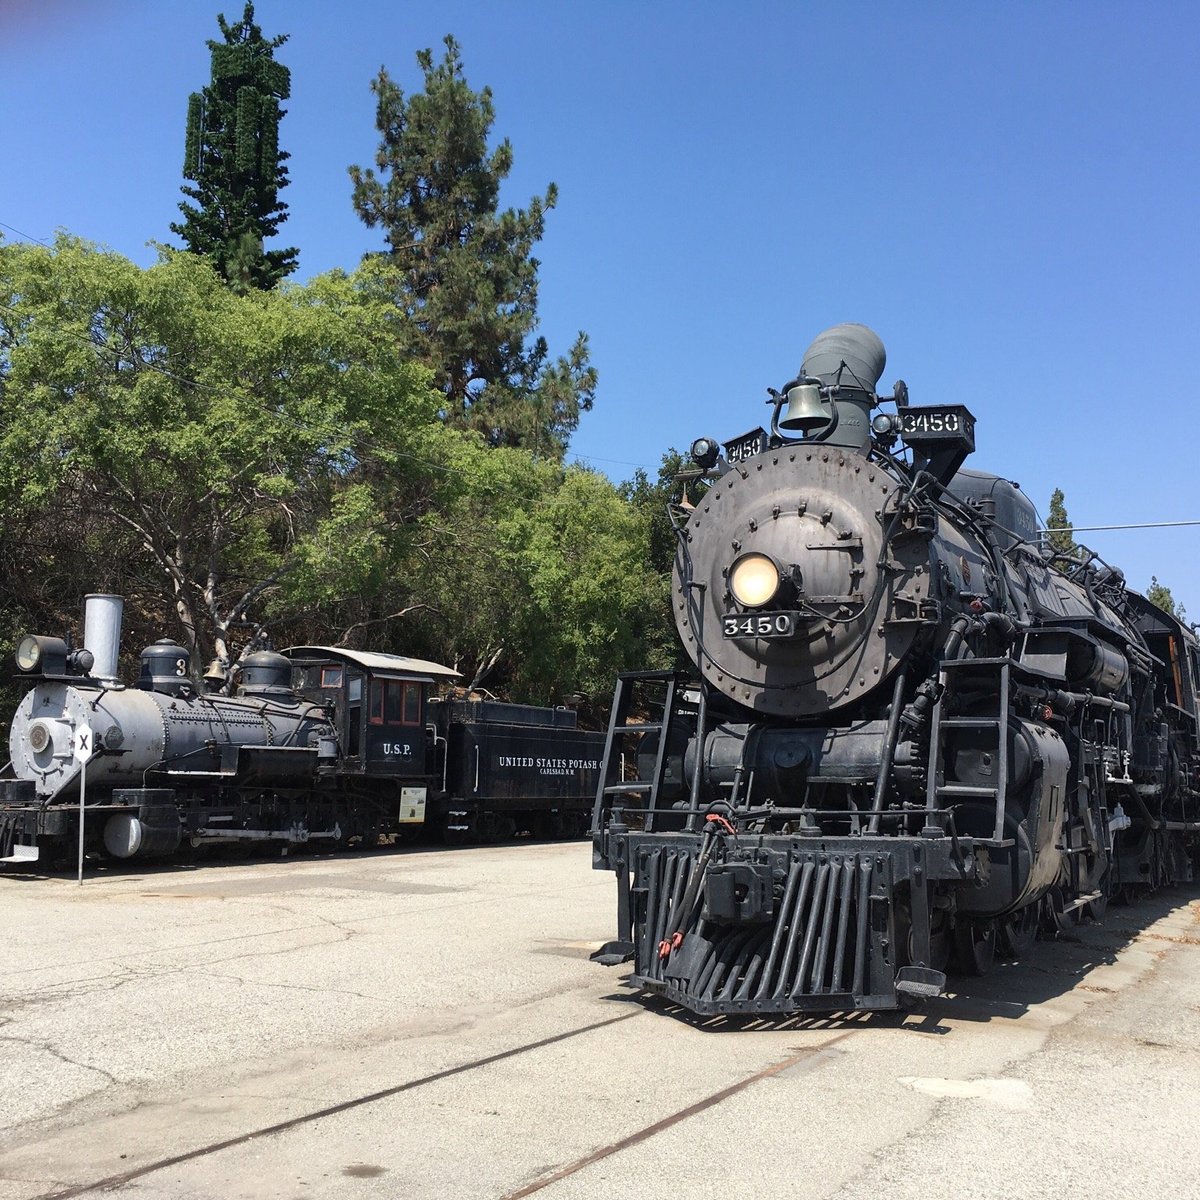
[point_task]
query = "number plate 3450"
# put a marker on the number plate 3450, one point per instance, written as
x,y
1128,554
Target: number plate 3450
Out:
x,y
758,625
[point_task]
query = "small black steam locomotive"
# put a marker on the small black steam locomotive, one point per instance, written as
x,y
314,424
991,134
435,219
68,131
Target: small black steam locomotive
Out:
x,y
917,734
316,744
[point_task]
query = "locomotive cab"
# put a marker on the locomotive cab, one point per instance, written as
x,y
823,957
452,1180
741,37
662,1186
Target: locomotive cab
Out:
x,y
377,702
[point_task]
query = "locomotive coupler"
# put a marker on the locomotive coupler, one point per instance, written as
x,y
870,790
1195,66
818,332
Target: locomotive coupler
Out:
x,y
738,893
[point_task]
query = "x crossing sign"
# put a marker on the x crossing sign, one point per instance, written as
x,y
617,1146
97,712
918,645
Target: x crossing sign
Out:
x,y
84,743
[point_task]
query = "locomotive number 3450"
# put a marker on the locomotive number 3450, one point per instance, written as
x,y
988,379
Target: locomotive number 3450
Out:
x,y
767,624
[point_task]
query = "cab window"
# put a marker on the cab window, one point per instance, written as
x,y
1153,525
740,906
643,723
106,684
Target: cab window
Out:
x,y
394,703
331,677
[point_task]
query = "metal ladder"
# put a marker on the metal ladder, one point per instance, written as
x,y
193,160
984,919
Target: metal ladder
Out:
x,y
634,686
950,678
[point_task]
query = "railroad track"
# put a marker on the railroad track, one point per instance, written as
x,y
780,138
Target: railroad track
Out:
x,y
809,1057
108,1182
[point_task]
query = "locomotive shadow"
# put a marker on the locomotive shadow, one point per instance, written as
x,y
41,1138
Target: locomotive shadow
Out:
x,y
1056,966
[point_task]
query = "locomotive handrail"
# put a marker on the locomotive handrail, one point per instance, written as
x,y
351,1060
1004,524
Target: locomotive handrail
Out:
x,y
888,752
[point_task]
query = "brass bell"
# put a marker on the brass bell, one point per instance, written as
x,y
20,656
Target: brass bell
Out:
x,y
806,409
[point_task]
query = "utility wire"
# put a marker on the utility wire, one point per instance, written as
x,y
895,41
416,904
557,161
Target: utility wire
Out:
x,y
1142,525
27,236
621,462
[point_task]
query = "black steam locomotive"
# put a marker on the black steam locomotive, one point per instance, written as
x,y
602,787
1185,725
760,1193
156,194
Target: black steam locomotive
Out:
x,y
317,744
917,734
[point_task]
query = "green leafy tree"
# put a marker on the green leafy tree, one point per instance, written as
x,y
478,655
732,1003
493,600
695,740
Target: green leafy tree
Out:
x,y
1160,595
201,446
460,270
597,606
657,499
1060,540
534,582
469,576
232,154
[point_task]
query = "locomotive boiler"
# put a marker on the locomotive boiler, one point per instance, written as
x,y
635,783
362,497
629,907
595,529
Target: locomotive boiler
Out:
x,y
915,732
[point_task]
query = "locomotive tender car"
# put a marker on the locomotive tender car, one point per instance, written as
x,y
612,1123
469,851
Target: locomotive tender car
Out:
x,y
317,744
917,732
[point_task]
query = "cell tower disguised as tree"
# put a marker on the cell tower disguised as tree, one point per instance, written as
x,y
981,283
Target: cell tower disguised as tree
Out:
x,y
460,269
1061,539
232,154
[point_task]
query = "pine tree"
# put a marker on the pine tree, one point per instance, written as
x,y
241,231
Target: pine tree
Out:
x,y
232,153
1061,542
460,270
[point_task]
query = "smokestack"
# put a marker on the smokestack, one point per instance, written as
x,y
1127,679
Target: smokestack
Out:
x,y
849,355
851,358
102,633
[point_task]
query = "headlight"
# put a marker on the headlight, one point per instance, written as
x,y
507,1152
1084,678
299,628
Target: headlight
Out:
x,y
705,452
29,653
754,580
45,655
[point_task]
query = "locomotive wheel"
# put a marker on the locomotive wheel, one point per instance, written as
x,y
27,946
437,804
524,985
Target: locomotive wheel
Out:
x,y
1018,931
974,948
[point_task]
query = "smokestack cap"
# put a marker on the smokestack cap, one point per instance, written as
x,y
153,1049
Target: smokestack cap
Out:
x,y
856,346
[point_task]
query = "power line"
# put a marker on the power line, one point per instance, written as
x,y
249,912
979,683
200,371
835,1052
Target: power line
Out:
x,y
1142,525
27,236
621,462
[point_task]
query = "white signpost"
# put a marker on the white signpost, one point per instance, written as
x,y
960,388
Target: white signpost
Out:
x,y
84,746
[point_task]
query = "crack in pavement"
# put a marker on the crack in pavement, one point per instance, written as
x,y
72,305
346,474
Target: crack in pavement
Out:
x,y
294,987
54,1052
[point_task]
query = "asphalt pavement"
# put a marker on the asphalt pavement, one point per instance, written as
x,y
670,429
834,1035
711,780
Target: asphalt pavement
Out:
x,y
426,1024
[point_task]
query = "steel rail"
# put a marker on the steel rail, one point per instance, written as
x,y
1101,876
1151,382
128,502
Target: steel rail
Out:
x,y
124,1177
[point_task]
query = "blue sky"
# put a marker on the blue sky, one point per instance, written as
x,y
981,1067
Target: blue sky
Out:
x,y
1006,193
